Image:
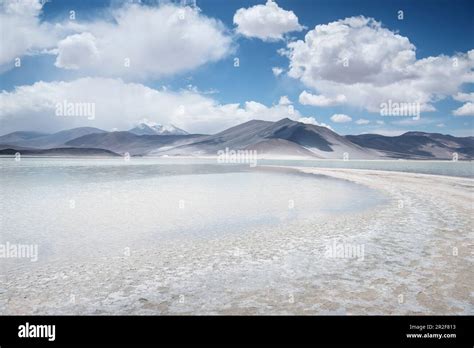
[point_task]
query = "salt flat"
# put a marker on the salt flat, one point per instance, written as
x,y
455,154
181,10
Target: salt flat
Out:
x,y
417,245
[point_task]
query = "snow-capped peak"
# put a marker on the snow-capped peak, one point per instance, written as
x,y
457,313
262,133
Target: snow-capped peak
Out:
x,y
146,127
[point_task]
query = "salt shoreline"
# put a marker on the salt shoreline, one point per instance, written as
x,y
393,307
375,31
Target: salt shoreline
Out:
x,y
410,266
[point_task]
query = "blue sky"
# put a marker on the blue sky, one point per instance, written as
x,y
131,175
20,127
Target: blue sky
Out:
x,y
438,32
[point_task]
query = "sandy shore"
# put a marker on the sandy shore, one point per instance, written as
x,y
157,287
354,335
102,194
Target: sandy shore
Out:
x,y
417,260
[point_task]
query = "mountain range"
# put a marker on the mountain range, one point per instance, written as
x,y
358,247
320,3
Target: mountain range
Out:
x,y
284,138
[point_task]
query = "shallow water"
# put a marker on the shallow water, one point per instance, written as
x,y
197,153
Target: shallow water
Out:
x,y
80,209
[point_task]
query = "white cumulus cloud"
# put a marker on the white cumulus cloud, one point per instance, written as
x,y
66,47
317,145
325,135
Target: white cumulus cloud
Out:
x,y
306,98
341,118
466,110
312,120
145,42
284,100
267,22
21,31
362,121
78,50
277,71
368,64
464,97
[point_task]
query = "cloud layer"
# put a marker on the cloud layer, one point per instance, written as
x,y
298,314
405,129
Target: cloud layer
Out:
x,y
267,22
121,105
353,61
145,42
358,62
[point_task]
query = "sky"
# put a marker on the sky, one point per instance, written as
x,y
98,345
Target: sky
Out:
x,y
207,65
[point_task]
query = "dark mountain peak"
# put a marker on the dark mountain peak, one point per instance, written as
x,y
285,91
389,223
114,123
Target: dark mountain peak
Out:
x,y
286,119
243,128
253,122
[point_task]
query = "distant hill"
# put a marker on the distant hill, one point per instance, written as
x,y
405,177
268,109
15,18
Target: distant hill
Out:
x,y
46,141
418,145
122,142
290,137
285,138
17,137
